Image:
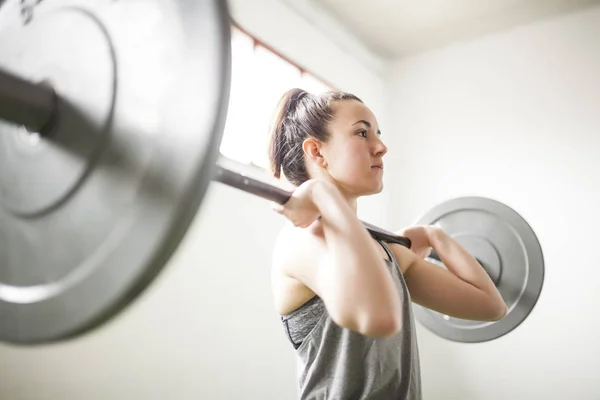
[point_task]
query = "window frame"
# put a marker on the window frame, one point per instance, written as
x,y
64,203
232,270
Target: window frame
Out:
x,y
251,166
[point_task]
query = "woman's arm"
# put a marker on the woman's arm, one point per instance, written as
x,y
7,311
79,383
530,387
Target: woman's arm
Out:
x,y
461,263
345,269
464,290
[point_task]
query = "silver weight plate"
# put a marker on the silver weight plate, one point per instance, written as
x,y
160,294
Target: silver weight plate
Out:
x,y
507,248
91,213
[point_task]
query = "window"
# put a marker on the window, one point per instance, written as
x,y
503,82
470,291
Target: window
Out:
x,y
259,78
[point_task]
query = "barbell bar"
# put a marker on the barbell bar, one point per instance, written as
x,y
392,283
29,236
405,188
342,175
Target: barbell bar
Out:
x,y
23,103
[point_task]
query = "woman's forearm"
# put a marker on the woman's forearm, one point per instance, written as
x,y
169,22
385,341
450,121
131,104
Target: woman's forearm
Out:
x,y
458,261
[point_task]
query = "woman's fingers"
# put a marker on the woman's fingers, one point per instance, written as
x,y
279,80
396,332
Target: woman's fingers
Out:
x,y
278,208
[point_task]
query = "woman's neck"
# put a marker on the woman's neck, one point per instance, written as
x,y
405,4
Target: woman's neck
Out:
x,y
352,201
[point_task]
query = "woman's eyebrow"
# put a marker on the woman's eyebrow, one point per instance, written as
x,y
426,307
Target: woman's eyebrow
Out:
x,y
367,123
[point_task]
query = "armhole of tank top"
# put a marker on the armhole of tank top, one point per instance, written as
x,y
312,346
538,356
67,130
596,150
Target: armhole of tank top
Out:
x,y
398,268
310,336
393,260
388,251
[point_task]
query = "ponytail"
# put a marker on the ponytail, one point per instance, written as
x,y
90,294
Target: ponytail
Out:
x,y
297,116
278,140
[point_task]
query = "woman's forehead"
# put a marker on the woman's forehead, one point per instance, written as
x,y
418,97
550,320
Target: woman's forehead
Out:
x,y
348,112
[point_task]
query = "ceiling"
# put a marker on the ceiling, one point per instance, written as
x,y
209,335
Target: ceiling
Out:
x,y
395,28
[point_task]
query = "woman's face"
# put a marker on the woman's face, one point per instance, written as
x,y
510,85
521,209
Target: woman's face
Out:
x,y
354,152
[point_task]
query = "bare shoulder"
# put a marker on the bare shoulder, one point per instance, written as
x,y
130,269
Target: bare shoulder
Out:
x,y
296,254
295,246
405,256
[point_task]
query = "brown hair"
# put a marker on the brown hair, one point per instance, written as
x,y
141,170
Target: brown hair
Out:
x,y
298,115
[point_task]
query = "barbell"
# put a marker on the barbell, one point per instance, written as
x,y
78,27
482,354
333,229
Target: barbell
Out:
x,y
111,117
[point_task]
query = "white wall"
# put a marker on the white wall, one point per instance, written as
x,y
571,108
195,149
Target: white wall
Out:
x,y
206,329
512,116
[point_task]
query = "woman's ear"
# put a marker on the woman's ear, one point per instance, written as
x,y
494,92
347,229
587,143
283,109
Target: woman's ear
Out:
x,y
312,149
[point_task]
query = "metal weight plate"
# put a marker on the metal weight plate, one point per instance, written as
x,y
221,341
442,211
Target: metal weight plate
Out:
x,y
507,248
91,213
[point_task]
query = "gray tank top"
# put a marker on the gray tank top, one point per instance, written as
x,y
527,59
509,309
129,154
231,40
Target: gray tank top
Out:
x,y
335,363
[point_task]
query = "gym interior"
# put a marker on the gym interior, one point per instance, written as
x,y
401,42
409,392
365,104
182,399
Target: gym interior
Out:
x,y
496,100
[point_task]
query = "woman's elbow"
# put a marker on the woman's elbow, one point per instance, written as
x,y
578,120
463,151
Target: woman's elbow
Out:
x,y
380,324
384,327
375,325
498,310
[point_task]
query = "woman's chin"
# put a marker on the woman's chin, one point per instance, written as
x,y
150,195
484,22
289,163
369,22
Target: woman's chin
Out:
x,y
378,190
373,189
365,188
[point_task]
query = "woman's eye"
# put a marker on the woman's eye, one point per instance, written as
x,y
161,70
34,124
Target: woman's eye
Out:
x,y
363,133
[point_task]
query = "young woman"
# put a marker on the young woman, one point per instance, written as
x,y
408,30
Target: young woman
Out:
x,y
345,298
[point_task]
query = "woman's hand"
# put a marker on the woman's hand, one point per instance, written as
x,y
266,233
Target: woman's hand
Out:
x,y
419,236
300,209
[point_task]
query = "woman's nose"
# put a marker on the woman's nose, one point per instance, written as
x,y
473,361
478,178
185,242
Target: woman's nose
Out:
x,y
379,148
